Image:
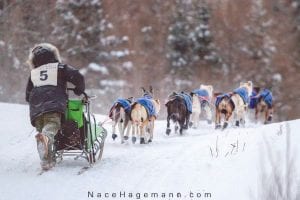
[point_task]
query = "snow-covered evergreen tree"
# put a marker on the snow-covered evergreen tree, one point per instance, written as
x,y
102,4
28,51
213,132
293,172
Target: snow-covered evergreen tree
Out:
x,y
296,6
77,37
81,30
261,47
190,38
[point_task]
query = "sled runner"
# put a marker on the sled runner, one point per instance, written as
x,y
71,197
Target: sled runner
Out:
x,y
80,135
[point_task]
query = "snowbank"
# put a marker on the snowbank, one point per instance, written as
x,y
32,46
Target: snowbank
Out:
x,y
206,163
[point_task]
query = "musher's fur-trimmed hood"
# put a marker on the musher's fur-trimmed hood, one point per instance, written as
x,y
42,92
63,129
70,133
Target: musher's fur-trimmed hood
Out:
x,y
46,52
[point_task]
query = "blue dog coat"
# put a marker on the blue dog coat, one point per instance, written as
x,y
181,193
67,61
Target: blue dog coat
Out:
x,y
220,97
243,94
148,105
188,101
267,96
125,104
201,93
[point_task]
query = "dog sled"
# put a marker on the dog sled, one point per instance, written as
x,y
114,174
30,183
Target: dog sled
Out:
x,y
80,135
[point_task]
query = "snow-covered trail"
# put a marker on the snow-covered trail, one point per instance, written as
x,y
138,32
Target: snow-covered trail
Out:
x,y
178,164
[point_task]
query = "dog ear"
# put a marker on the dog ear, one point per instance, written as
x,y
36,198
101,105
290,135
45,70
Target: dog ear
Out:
x,y
144,90
200,86
249,83
130,99
151,89
157,101
211,88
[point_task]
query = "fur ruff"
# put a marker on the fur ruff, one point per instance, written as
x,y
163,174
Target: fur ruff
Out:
x,y
48,46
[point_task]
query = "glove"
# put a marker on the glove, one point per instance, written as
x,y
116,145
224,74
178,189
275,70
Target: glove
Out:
x,y
77,91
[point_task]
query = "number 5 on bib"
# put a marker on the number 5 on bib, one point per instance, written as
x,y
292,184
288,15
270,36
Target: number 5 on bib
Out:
x,y
45,75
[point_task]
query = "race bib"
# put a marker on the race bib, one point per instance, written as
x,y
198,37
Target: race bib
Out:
x,y
45,75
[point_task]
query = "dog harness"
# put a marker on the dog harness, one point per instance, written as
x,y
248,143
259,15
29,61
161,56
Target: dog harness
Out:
x,y
253,100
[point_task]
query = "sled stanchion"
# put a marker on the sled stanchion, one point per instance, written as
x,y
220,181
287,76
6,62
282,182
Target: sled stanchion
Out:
x,y
80,134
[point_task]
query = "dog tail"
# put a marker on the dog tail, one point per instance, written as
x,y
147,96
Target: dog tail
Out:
x,y
135,114
116,113
122,115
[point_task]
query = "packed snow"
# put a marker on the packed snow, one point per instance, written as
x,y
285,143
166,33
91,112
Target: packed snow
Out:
x,y
203,163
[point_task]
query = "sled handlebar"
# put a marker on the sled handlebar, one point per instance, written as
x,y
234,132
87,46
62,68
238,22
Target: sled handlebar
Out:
x,y
83,93
86,97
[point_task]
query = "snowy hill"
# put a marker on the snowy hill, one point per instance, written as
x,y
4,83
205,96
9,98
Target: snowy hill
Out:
x,y
237,163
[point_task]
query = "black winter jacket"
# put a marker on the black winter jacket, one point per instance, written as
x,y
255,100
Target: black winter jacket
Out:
x,y
46,88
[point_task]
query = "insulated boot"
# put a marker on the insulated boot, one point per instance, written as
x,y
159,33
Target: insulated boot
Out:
x,y
51,154
43,150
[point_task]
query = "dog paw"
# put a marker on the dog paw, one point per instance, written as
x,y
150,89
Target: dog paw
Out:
x,y
225,125
142,141
168,131
181,131
133,139
218,126
114,136
269,118
237,123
